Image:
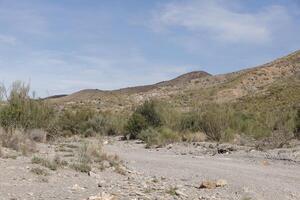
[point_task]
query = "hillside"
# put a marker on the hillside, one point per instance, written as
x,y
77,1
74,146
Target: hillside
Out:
x,y
198,87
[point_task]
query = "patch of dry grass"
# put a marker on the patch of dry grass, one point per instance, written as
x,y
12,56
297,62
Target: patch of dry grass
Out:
x,y
18,141
194,137
90,154
53,164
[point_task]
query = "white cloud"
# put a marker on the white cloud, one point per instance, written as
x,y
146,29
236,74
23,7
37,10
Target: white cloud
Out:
x,y
217,21
6,39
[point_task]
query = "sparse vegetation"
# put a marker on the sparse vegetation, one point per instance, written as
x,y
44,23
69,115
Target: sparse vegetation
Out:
x,y
91,154
172,191
18,141
53,164
39,171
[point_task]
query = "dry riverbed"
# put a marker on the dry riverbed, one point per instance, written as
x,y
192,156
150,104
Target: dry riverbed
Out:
x,y
173,172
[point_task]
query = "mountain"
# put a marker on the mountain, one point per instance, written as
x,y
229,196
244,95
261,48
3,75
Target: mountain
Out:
x,y
88,95
200,87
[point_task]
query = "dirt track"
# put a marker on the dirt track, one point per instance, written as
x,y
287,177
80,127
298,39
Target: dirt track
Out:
x,y
168,173
256,177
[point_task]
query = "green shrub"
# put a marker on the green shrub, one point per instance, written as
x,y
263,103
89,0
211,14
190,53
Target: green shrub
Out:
x,y
150,136
22,111
149,111
169,115
159,136
75,121
87,122
146,115
213,119
190,121
135,125
107,124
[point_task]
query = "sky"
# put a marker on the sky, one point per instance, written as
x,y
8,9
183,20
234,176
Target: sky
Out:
x,y
62,46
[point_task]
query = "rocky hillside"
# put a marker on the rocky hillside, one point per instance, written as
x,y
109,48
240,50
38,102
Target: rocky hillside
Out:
x,y
198,87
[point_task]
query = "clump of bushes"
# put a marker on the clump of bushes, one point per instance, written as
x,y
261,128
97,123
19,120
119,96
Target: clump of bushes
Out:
x,y
144,116
159,136
214,120
20,110
86,122
75,122
153,123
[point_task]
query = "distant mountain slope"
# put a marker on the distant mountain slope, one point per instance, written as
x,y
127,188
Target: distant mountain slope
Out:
x,y
90,94
196,87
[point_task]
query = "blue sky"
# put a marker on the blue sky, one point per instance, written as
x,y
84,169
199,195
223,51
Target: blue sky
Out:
x,y
61,46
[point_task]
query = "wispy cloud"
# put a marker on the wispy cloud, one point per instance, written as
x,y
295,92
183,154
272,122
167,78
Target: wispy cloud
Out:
x,y
217,20
22,18
7,39
62,72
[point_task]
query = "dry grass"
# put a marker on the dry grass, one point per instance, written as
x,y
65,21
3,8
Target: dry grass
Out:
x,y
18,141
53,164
90,154
194,137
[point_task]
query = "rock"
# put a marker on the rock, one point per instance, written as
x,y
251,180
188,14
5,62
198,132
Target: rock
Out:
x,y
208,185
77,188
92,174
102,196
221,183
105,142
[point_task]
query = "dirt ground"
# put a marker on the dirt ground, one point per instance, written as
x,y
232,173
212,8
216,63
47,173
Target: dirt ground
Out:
x,y
173,172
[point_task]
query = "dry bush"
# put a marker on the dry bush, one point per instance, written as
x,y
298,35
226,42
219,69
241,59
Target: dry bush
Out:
x,y
91,154
18,141
53,164
194,137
